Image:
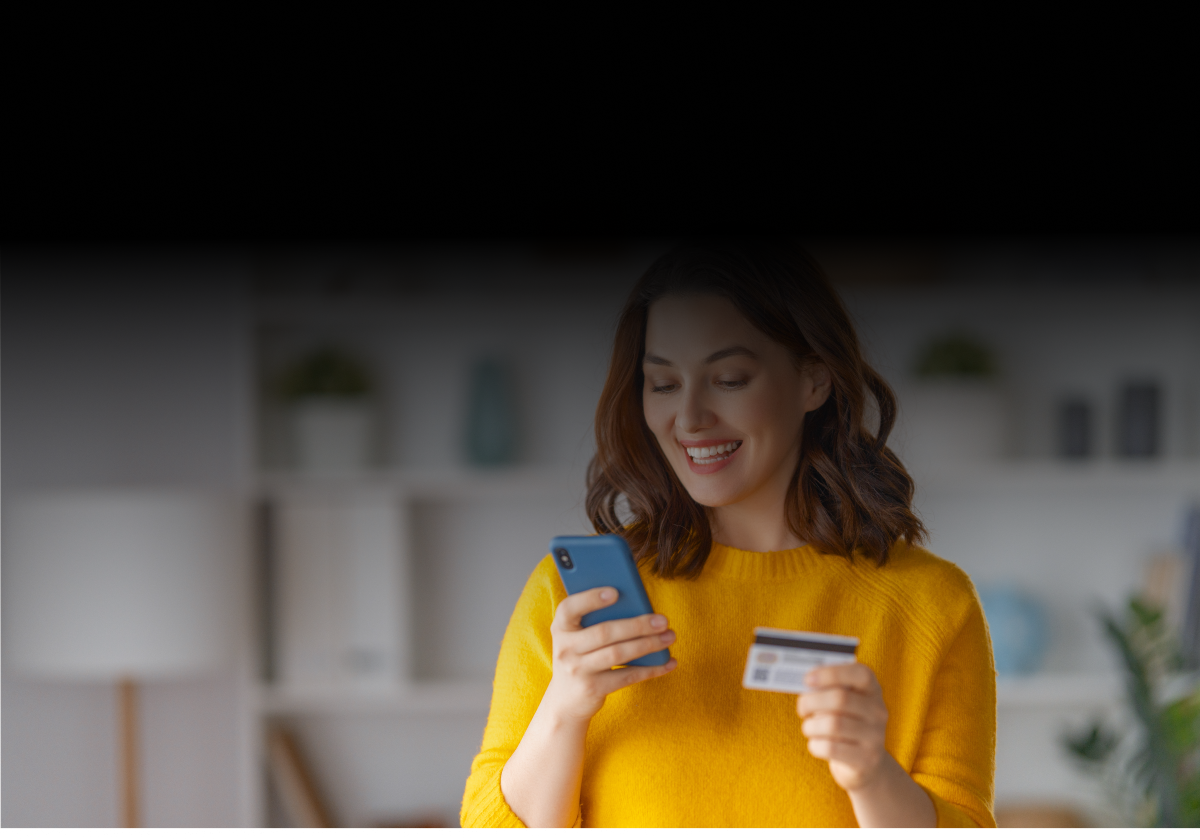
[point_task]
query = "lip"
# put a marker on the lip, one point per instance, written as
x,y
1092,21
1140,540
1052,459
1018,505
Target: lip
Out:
x,y
709,469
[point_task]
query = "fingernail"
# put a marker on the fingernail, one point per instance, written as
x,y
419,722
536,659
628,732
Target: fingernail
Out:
x,y
671,665
667,637
658,622
607,594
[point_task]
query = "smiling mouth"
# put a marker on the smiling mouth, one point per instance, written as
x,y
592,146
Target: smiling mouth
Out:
x,y
704,455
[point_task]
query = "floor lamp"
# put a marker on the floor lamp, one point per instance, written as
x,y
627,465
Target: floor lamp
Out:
x,y
118,586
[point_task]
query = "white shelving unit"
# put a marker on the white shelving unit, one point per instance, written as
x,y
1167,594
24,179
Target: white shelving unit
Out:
x,y
1072,534
450,574
463,541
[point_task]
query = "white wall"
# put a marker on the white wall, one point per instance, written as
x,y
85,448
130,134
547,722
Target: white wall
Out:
x,y
123,370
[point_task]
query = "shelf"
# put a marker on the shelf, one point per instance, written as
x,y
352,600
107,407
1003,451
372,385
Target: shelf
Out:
x,y
435,484
1035,691
1012,477
1060,476
418,698
1058,690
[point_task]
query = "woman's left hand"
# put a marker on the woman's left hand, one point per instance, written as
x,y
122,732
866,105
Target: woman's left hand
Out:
x,y
845,721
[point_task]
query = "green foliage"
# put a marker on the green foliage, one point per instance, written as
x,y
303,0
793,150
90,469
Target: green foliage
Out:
x,y
327,372
956,355
1094,744
1160,762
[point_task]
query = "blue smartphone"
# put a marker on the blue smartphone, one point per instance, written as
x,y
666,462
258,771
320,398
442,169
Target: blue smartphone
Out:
x,y
605,560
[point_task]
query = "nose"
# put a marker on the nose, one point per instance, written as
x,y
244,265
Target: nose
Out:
x,y
694,413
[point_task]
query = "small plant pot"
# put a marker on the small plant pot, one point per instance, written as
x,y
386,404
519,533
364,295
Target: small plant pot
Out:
x,y
333,435
948,423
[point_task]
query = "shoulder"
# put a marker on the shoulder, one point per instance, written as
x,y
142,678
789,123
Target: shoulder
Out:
x,y
924,573
923,588
543,589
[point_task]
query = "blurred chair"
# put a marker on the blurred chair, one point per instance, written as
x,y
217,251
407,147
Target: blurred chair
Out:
x,y
119,586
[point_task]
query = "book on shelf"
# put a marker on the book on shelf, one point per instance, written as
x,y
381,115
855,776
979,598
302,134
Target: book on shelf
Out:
x,y
294,784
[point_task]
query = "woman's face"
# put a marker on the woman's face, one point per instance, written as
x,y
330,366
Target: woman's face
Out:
x,y
725,402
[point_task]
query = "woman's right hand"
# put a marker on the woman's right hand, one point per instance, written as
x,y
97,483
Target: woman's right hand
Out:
x,y
584,657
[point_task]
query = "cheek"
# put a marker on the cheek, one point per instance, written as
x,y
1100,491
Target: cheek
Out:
x,y
771,414
661,421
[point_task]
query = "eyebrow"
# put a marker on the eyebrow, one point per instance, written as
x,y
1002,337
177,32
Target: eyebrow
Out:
x,y
736,350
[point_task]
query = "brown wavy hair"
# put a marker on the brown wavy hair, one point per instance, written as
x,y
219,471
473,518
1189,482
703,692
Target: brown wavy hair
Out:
x,y
850,494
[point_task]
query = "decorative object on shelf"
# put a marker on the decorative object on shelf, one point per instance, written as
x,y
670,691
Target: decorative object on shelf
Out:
x,y
119,586
956,410
491,415
329,393
1153,771
1039,815
956,355
1189,641
424,819
1138,420
338,589
1074,429
1017,624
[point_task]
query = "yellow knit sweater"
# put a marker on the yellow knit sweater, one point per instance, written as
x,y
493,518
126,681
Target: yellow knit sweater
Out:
x,y
694,748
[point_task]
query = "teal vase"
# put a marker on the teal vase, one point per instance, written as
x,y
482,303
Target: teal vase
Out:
x,y
1018,629
491,416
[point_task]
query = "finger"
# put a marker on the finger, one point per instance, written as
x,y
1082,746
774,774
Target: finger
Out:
x,y
622,652
573,608
620,630
843,701
841,728
848,753
611,681
854,675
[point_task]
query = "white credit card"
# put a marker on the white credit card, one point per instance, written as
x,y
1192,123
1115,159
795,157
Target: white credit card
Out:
x,y
779,659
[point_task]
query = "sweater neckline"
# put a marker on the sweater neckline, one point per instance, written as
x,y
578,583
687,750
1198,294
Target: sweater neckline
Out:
x,y
737,564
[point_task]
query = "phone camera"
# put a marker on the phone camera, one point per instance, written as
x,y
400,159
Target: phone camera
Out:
x,y
565,561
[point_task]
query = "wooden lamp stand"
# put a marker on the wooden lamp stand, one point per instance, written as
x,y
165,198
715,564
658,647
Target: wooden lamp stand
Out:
x,y
127,706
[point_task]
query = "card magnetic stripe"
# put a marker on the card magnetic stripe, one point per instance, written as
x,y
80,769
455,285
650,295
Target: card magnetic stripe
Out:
x,y
778,641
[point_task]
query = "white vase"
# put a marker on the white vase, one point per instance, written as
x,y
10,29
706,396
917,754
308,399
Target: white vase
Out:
x,y
942,424
332,434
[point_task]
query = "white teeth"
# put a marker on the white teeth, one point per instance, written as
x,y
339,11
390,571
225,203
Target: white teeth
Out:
x,y
708,452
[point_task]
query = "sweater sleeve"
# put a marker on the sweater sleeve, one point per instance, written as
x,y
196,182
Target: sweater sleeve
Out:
x,y
522,673
956,760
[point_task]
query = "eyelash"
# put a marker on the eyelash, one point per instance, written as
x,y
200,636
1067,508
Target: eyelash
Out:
x,y
666,389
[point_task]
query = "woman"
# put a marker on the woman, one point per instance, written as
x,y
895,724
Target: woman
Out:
x,y
731,425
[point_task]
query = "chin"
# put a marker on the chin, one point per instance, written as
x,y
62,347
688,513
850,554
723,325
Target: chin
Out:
x,y
710,493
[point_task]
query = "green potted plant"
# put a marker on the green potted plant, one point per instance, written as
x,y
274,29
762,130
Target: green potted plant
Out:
x,y
1151,769
954,408
329,394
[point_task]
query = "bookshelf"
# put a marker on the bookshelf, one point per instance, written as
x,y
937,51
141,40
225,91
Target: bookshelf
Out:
x,y
465,540
452,525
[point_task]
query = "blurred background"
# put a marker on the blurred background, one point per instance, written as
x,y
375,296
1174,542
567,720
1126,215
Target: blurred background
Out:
x,y
266,511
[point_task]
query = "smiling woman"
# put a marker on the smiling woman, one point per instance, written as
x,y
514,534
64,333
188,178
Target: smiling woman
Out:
x,y
732,426
776,340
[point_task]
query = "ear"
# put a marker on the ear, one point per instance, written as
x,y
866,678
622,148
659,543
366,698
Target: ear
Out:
x,y
820,384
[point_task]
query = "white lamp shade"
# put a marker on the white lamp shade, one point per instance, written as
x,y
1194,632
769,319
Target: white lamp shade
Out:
x,y
114,584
